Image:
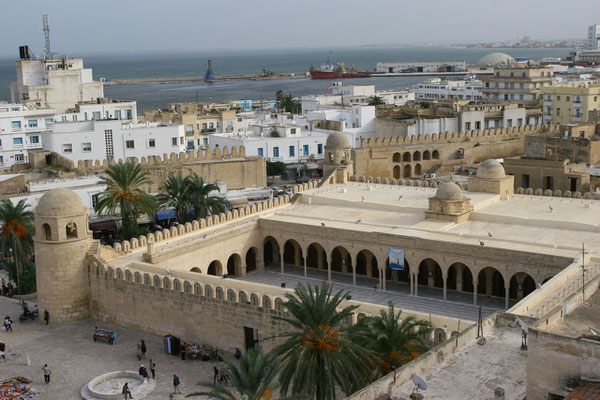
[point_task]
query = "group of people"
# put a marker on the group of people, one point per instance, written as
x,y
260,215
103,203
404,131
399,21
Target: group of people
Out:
x,y
7,288
141,350
221,375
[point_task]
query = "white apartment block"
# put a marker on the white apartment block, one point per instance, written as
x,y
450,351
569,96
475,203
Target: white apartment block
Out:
x,y
420,66
517,84
113,140
593,39
349,95
290,144
353,119
436,89
58,84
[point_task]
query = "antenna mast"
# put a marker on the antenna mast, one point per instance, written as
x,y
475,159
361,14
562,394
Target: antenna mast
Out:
x,y
47,50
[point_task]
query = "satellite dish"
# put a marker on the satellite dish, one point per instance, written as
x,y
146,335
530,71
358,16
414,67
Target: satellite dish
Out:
x,y
419,382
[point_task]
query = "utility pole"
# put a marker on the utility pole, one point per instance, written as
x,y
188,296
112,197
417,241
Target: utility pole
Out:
x,y
583,272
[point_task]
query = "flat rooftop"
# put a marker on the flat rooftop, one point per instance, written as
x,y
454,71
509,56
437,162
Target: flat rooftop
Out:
x,y
579,321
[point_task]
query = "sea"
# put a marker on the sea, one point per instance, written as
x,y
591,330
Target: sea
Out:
x,y
171,64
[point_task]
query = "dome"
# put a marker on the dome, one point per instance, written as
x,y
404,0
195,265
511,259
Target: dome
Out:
x,y
490,169
448,191
494,60
59,202
337,141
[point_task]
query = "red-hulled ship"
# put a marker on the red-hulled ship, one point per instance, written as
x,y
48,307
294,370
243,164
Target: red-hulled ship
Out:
x,y
338,71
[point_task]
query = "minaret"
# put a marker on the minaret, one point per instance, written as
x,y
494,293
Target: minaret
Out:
x,y
338,157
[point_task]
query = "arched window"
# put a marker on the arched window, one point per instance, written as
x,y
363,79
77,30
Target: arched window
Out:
x,y
330,157
47,231
343,158
396,157
71,230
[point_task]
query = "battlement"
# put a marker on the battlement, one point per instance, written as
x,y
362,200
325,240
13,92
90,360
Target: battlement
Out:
x,y
455,137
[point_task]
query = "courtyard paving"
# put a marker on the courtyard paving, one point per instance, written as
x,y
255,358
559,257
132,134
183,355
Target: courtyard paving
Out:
x,y
429,300
75,358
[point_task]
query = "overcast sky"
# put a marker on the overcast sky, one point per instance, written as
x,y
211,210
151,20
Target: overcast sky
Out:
x,y
99,26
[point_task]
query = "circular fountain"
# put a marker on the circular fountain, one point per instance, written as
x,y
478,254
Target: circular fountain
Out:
x,y
110,386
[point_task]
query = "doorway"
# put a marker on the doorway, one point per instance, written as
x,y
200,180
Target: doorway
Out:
x,y
251,336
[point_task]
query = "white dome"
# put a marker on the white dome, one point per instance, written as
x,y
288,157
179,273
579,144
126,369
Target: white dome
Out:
x,y
494,60
490,169
448,191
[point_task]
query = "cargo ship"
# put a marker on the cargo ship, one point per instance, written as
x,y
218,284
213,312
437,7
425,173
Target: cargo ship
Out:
x,y
337,71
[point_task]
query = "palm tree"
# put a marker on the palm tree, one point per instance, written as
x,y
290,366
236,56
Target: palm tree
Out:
x,y
318,353
123,192
289,104
16,236
376,101
392,340
199,198
176,195
253,380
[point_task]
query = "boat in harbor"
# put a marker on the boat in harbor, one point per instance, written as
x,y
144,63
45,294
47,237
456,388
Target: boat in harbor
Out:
x,y
337,71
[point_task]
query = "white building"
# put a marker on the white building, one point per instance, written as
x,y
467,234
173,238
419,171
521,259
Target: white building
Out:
x,y
593,39
420,66
434,89
348,95
276,142
354,119
58,84
113,140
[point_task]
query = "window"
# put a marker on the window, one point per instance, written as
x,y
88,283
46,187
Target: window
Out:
x,y
260,151
523,74
189,130
181,140
293,131
190,144
1,160
74,117
96,115
32,123
558,112
95,200
67,148
320,148
16,124
205,141
107,115
305,149
486,124
568,98
18,141
595,98
151,143
275,151
117,114
129,144
174,141
63,118
49,121
558,98
520,122
86,147
467,126
477,124
34,139
19,158
509,123
85,117
525,181
292,151
549,183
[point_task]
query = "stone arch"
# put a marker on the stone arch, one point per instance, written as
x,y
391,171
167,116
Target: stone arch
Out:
x,y
47,231
407,171
208,291
242,297
196,270
137,277
197,289
254,300
454,279
490,282
146,279
219,293
316,256
341,260
366,263
234,265
271,250
128,275
292,253
468,284
397,157
166,283
396,172
406,157
435,155
156,280
251,259
426,155
266,302
417,156
71,230
231,296
439,335
430,273
215,268
187,287
521,285
279,304
418,169
119,273
397,275
177,285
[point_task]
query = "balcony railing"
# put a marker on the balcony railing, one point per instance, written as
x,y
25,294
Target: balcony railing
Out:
x,y
209,130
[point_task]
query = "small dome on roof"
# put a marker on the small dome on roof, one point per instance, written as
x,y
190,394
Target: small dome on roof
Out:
x,y
494,60
490,169
448,191
59,202
337,141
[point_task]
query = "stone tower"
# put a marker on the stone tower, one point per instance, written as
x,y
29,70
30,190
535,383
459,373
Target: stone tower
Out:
x,y
62,240
338,157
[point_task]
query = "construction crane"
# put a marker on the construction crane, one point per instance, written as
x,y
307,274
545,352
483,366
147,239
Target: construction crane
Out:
x,y
48,55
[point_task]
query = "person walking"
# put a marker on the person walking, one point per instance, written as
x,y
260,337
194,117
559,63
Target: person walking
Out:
x,y
176,383
126,392
143,348
153,369
2,349
182,351
46,316
139,352
8,324
47,373
223,375
216,376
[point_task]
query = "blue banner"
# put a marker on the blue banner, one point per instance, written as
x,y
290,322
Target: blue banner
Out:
x,y
396,259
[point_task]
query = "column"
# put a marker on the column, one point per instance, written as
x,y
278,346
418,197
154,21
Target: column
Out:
x,y
328,272
506,292
412,285
305,269
445,279
281,261
354,274
416,280
260,262
383,277
475,283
